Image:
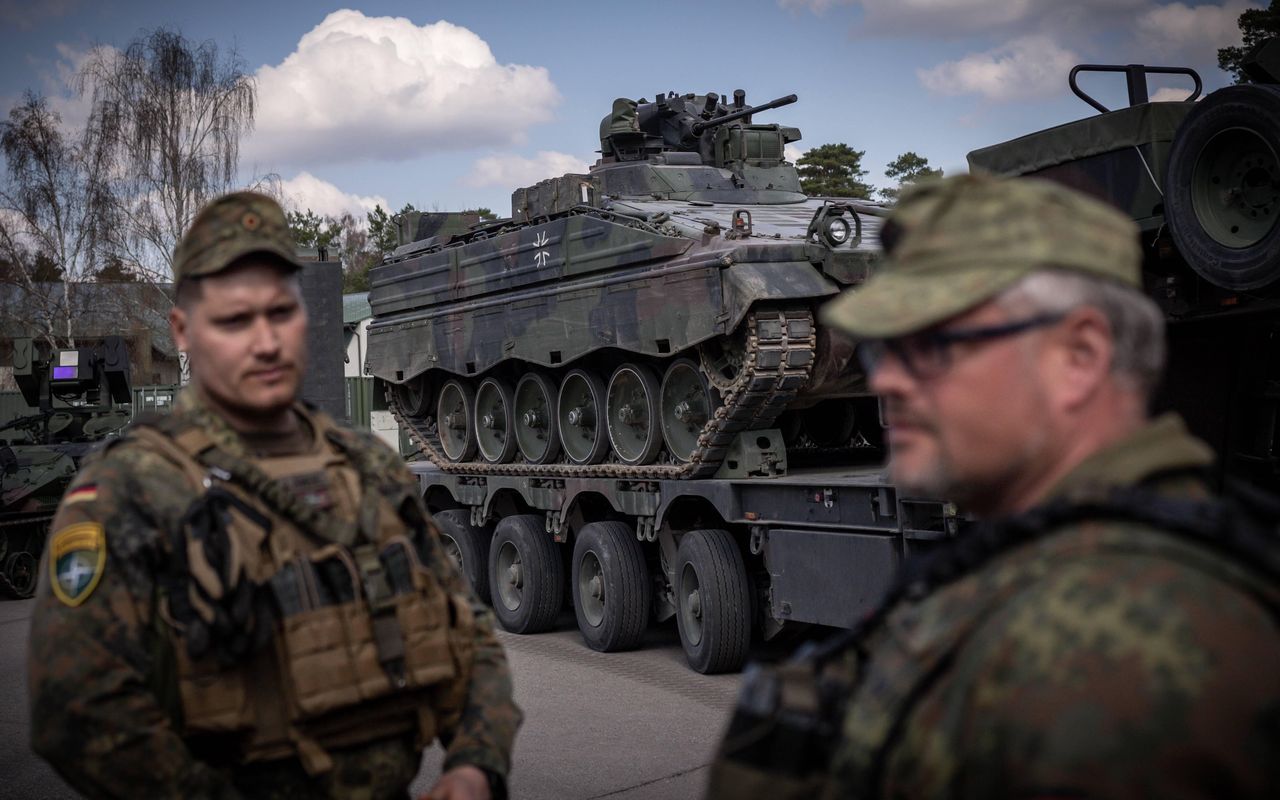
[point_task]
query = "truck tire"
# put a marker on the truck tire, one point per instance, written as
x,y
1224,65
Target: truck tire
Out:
x,y
611,590
1222,187
468,547
713,601
526,575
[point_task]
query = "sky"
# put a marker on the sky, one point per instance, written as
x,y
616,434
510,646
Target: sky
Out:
x,y
452,105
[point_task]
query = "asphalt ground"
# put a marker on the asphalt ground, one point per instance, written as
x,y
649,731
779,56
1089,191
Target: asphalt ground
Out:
x,y
633,726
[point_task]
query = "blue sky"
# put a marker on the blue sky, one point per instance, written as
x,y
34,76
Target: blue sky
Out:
x,y
453,104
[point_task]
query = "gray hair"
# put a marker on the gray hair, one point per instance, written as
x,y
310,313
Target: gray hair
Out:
x,y
1137,324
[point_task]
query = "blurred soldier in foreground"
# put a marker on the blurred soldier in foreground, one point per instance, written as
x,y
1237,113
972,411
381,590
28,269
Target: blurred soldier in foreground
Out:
x,y
1108,629
243,599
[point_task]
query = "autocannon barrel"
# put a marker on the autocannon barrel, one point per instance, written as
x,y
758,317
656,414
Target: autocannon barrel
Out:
x,y
698,128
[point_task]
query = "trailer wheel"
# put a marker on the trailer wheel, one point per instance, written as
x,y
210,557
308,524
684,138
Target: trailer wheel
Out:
x,y
611,591
467,547
526,575
714,604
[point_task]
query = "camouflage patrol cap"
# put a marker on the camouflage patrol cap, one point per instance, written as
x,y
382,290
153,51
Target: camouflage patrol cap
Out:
x,y
230,227
955,243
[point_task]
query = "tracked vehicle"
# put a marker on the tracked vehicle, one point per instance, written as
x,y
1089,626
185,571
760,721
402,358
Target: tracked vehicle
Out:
x,y
632,321
75,392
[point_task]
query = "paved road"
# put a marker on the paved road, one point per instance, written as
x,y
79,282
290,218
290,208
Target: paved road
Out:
x,y
626,726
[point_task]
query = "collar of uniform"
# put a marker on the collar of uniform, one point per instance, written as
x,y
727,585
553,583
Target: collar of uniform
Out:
x,y
1161,446
215,427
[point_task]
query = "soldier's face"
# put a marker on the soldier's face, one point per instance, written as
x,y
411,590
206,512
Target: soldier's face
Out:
x,y
978,430
245,334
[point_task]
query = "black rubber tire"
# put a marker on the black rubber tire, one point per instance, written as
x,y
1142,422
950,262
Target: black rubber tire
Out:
x,y
540,596
1248,107
627,592
724,636
473,546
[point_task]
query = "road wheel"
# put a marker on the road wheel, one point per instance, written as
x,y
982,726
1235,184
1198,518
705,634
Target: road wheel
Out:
x,y
454,415
20,573
494,423
687,404
414,396
581,418
634,427
1222,187
611,589
467,547
713,601
537,428
526,575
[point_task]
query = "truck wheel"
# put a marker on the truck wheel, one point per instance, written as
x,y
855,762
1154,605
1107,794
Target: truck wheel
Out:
x,y
526,575
611,591
714,606
1222,187
468,547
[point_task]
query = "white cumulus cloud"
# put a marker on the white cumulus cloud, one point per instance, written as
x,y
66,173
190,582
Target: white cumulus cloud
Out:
x,y
360,87
1191,33
1026,68
792,153
305,191
512,171
1170,94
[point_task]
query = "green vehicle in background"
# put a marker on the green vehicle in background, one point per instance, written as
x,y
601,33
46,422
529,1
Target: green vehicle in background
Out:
x,y
632,321
623,397
1202,180
77,393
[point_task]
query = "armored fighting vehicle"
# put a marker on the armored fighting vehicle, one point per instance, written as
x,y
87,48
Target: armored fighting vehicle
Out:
x,y
75,392
1202,180
634,320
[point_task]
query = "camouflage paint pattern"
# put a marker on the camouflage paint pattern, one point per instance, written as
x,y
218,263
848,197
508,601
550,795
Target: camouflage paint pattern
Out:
x,y
99,675
641,255
1102,660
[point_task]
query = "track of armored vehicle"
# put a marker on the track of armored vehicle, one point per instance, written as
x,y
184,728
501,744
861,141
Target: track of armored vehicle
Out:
x,y
632,322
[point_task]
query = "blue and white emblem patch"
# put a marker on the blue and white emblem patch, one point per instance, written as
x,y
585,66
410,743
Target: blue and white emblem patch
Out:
x,y
77,556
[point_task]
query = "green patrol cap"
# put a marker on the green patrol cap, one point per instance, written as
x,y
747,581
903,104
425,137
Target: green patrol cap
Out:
x,y
955,243
230,227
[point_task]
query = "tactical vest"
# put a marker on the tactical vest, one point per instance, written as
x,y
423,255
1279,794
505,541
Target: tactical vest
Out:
x,y
297,608
790,717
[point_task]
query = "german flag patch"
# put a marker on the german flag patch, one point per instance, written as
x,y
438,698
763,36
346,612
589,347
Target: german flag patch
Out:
x,y
81,494
77,557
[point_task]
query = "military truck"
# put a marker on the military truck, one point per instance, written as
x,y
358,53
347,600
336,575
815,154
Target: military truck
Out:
x,y
1202,180
75,393
622,395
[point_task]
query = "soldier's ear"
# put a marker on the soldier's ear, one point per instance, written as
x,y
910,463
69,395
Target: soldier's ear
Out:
x,y
1085,350
178,328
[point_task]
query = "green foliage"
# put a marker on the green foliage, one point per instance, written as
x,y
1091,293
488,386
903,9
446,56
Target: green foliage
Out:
x,y
1257,25
907,168
486,215
833,170
115,272
311,231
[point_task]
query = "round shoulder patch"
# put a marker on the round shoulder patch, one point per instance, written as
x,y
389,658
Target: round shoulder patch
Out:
x,y
77,556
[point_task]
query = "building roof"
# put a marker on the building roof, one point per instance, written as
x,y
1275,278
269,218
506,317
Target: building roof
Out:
x,y
355,308
97,309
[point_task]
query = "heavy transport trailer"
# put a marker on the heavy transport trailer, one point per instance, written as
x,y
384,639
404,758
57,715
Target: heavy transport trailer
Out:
x,y
734,558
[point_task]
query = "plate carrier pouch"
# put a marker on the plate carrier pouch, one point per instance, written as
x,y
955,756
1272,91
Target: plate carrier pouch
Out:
x,y
366,643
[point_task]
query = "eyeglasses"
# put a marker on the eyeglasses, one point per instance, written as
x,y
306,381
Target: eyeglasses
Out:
x,y
927,355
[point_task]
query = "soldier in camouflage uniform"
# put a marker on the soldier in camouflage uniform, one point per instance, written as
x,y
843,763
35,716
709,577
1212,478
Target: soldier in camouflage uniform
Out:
x,y
245,600
1107,629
